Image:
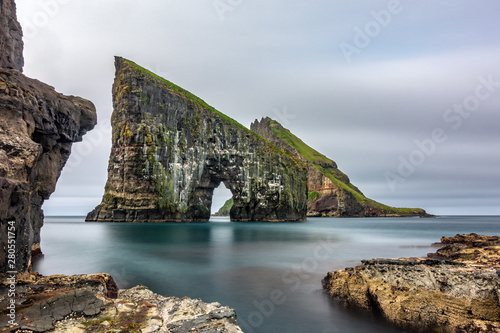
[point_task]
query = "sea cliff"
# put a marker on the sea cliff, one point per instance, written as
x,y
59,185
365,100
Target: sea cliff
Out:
x,y
330,191
38,126
171,150
37,129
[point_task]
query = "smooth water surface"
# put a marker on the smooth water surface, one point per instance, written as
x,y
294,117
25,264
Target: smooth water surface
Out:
x,y
270,273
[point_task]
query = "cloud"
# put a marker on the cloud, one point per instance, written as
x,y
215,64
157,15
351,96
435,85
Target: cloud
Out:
x,y
261,58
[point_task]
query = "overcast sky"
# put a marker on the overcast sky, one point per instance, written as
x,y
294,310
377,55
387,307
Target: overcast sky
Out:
x,y
403,95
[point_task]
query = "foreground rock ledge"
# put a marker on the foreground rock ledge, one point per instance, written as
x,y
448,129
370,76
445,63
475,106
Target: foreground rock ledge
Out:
x,y
92,303
455,289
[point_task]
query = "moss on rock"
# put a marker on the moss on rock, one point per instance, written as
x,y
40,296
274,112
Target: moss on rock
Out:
x,y
171,149
334,193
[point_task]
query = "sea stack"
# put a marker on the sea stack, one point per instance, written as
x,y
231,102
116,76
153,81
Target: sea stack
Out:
x,y
37,129
331,192
171,150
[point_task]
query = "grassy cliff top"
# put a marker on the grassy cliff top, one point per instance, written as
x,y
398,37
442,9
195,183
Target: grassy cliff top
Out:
x,y
328,168
175,89
311,155
303,149
180,91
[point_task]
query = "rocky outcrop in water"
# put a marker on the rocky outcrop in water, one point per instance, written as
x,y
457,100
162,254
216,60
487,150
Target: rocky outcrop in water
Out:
x,y
330,190
171,150
92,303
456,289
37,129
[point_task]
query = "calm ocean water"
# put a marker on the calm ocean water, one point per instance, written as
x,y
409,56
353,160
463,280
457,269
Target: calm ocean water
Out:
x,y
270,273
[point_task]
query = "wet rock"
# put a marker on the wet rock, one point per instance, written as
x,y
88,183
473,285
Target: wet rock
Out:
x,y
448,292
43,316
80,303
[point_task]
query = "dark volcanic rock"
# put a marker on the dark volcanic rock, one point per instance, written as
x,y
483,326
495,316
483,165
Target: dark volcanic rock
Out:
x,y
37,128
330,190
43,316
171,150
436,294
11,37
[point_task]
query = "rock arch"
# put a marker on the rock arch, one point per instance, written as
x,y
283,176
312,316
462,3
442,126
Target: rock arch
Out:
x,y
171,150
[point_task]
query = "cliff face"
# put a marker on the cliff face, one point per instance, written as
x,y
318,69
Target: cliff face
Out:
x,y
454,290
171,150
330,190
11,37
37,128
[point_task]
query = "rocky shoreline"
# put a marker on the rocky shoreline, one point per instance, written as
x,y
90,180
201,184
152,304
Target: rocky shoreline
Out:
x,y
93,303
455,289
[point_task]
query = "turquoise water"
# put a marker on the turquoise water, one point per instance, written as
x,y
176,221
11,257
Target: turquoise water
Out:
x,y
270,273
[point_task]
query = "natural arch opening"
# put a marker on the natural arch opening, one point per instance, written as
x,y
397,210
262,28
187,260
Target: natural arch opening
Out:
x,y
221,198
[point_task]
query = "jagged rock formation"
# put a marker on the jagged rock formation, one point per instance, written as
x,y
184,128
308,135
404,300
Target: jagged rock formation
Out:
x,y
37,128
171,150
454,290
92,303
330,190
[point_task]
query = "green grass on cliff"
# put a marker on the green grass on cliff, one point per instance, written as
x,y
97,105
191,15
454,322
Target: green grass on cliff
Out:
x,y
184,93
304,150
325,165
321,162
198,101
311,196
358,196
367,202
